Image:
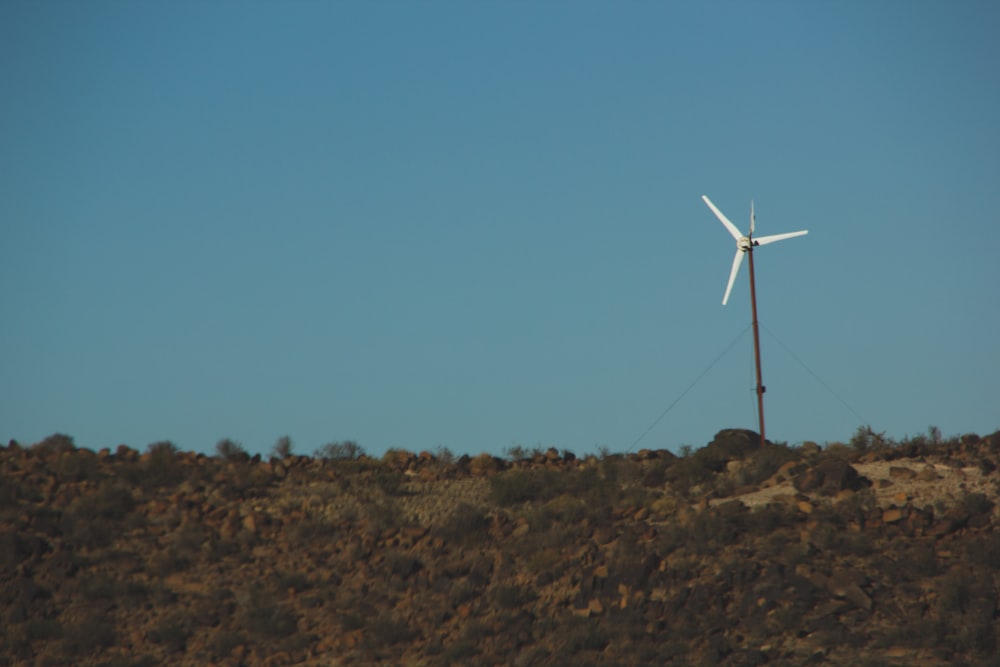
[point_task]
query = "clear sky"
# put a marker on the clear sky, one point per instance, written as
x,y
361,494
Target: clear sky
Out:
x,y
475,225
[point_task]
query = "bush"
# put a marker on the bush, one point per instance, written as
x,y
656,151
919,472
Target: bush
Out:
x,y
10,491
90,520
222,643
185,547
484,464
92,633
517,486
598,488
230,450
108,502
17,547
173,631
522,453
43,629
465,525
388,630
444,456
350,621
304,533
282,448
77,466
689,472
56,443
983,549
765,462
385,514
975,503
296,581
162,466
162,450
402,564
346,450
865,439
397,459
388,481
584,635
460,651
511,597
260,615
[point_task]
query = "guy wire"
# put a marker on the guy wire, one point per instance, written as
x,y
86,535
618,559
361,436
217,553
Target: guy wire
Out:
x,y
816,377
689,388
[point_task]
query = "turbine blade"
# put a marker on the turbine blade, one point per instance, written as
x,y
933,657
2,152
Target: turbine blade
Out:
x,y
764,240
723,219
732,274
752,217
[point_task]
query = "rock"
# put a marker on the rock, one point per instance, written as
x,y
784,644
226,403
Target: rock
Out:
x,y
830,477
950,521
928,474
860,599
847,584
731,508
786,472
901,472
728,445
844,495
892,515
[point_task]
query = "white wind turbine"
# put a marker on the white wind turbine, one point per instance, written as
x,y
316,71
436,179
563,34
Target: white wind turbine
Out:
x,y
745,246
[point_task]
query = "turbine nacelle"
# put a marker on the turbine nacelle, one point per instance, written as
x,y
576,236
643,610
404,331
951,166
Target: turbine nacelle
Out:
x,y
744,244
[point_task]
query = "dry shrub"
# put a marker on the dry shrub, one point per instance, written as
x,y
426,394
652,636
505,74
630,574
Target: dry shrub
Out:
x,y
465,525
398,459
484,464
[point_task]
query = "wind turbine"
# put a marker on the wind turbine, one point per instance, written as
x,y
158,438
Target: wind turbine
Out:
x,y
745,246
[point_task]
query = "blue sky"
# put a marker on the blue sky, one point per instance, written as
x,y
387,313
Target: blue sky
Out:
x,y
475,225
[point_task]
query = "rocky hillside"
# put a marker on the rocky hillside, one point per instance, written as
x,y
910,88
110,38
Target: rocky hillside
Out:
x,y
874,553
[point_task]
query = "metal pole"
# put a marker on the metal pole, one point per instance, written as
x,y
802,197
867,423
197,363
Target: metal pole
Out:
x,y
756,347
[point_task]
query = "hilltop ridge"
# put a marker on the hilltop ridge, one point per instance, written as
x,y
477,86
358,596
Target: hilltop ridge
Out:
x,y
874,552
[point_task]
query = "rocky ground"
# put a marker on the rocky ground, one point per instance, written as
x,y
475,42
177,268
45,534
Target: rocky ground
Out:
x,y
874,553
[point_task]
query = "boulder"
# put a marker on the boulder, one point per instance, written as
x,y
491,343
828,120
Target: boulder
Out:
x,y
829,478
731,444
847,584
901,472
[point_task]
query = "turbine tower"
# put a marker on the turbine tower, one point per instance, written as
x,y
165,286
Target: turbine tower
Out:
x,y
745,246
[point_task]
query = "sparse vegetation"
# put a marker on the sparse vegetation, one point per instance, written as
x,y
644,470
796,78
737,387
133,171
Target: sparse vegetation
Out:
x,y
260,615
344,450
444,456
535,558
282,448
230,450
466,524
161,467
